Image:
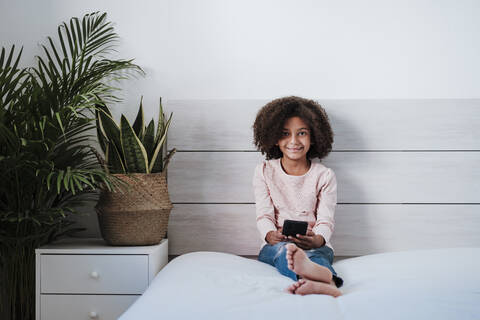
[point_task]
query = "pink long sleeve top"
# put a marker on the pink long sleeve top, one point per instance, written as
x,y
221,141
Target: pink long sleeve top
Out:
x,y
311,197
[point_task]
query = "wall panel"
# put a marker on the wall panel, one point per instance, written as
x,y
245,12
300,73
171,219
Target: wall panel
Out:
x,y
358,124
359,229
363,177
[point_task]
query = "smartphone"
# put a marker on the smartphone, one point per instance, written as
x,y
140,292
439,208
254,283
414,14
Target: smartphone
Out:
x,y
294,227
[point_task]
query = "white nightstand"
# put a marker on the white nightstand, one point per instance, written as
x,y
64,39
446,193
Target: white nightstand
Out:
x,y
87,279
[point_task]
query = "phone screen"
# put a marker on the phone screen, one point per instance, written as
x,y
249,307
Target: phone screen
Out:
x,y
294,227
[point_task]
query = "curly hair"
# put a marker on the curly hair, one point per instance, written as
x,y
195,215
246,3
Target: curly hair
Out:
x,y
268,126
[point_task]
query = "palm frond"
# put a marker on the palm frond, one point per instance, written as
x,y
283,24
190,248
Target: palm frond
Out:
x,y
80,63
10,76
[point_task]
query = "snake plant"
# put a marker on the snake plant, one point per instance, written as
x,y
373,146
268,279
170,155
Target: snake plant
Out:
x,y
133,148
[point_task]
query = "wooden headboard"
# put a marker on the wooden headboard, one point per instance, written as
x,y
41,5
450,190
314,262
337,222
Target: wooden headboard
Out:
x,y
408,175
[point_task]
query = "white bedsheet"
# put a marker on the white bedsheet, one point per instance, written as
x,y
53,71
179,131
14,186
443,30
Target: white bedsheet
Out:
x,y
423,284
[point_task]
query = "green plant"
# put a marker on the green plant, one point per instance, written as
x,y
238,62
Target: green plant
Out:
x,y
47,166
133,149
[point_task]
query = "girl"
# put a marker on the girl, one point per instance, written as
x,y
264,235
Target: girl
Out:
x,y
290,132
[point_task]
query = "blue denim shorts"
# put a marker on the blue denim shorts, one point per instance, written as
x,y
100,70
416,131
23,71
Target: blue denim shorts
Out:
x,y
276,256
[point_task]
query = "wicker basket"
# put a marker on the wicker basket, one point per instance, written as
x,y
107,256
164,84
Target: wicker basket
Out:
x,y
137,215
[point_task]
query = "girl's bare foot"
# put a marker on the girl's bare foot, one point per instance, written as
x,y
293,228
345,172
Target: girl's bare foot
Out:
x,y
299,263
304,287
294,286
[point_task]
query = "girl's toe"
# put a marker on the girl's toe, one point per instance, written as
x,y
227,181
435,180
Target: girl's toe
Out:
x,y
291,289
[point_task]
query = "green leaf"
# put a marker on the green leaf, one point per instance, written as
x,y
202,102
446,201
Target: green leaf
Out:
x,y
138,124
59,120
104,108
85,180
109,129
148,140
11,77
49,179
66,178
114,159
102,139
72,187
101,135
135,155
78,184
2,55
161,122
156,164
59,180
74,38
66,61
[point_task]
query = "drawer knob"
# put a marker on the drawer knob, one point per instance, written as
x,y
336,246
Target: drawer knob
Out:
x,y
94,275
93,315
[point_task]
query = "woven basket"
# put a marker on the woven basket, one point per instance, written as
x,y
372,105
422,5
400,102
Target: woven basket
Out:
x,y
137,215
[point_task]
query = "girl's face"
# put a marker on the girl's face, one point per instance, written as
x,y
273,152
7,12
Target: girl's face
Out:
x,y
295,140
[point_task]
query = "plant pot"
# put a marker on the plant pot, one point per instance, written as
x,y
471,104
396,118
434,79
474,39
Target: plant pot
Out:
x,y
138,214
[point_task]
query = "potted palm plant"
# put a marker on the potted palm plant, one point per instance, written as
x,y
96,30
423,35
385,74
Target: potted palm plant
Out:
x,y
135,154
47,167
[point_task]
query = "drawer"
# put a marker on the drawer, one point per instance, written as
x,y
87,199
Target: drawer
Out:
x,y
94,274
84,307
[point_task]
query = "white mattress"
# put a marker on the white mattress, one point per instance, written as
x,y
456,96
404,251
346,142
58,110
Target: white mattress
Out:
x,y
423,284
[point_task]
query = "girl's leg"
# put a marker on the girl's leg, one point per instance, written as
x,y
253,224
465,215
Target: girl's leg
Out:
x,y
313,266
276,256
299,263
324,257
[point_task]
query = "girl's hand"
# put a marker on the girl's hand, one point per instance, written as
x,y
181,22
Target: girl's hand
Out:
x,y
274,237
308,241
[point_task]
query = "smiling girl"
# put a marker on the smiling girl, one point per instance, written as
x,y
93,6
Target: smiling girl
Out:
x,y
291,132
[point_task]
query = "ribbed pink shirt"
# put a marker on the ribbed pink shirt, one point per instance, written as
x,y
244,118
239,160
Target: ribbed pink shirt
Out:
x,y
311,197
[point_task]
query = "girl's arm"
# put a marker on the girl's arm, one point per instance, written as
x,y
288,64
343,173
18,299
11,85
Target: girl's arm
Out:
x,y
263,203
326,207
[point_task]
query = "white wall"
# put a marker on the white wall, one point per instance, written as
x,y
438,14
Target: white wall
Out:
x,y
259,49
213,49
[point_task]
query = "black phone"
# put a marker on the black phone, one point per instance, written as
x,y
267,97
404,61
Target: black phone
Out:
x,y
294,227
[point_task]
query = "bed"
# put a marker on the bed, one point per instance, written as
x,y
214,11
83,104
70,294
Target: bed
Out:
x,y
408,241
416,284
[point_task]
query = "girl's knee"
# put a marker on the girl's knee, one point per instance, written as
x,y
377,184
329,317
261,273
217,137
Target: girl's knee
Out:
x,y
269,253
281,250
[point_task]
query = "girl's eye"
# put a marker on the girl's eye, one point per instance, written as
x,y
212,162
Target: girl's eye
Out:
x,y
302,133
285,134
